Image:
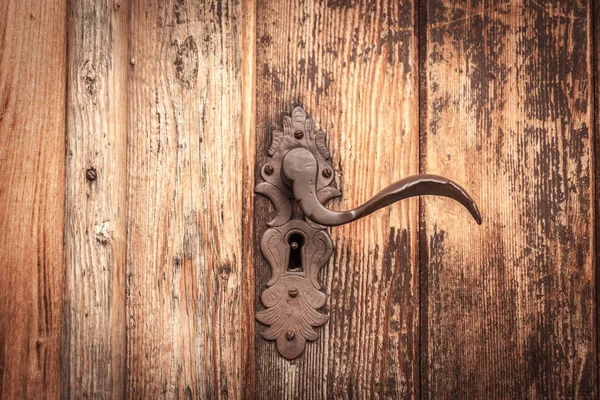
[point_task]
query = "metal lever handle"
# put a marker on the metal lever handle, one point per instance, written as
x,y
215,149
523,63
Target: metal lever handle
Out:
x,y
300,167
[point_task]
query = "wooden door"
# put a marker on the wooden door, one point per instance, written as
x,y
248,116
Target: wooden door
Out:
x,y
131,136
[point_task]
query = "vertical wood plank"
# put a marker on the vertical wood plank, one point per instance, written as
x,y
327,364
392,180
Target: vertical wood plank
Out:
x,y
185,318
353,67
32,134
96,189
509,116
249,160
595,21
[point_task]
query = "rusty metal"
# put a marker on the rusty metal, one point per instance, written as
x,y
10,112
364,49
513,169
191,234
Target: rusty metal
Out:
x,y
91,174
299,181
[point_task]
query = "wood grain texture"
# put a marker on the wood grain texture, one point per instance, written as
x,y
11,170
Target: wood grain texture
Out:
x,y
32,134
509,116
95,214
595,21
249,159
352,65
185,318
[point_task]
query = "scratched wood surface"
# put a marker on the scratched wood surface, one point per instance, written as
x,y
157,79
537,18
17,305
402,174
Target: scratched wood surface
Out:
x,y
32,135
154,257
596,98
95,191
184,286
352,65
248,132
509,305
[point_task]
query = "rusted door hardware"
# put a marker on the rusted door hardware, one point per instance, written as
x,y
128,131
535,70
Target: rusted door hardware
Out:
x,y
299,180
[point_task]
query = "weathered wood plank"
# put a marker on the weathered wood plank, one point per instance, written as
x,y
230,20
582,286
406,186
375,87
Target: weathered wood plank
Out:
x,y
185,318
595,21
249,160
95,191
509,115
353,66
32,134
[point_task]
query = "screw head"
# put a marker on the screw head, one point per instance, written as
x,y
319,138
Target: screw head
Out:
x,y
326,173
293,293
290,335
269,170
91,174
294,245
298,135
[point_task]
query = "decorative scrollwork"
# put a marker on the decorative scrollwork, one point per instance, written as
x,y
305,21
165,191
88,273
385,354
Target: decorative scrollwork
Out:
x,y
293,296
295,247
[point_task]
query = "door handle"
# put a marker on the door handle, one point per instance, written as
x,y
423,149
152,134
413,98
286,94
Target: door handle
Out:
x,y
298,179
300,167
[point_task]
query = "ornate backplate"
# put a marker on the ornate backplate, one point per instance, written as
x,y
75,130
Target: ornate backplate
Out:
x,y
295,247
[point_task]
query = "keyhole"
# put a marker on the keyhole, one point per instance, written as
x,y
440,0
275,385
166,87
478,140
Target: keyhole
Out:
x,y
296,241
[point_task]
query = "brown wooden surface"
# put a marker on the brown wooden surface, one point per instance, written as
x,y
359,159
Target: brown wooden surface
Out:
x,y
185,316
509,115
32,134
596,114
352,65
248,141
173,103
95,214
